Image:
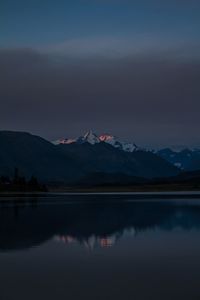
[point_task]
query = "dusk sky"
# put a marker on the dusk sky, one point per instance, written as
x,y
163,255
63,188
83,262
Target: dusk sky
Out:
x,y
130,68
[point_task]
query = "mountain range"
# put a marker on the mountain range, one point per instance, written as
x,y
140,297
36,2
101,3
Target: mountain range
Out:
x,y
78,160
92,138
186,159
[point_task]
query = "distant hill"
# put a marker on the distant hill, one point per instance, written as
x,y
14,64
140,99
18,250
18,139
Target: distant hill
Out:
x,y
33,155
186,159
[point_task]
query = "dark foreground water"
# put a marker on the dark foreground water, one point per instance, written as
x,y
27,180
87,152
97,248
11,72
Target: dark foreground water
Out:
x,y
99,247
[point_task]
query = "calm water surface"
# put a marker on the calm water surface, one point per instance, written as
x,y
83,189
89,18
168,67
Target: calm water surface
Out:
x,y
99,247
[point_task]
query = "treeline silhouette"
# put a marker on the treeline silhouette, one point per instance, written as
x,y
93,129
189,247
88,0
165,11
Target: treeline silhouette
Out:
x,y
20,184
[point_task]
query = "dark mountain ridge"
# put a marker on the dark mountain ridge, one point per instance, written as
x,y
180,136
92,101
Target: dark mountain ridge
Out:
x,y
103,157
34,156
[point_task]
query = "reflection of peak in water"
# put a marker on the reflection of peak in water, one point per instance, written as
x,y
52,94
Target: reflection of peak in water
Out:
x,y
90,243
25,227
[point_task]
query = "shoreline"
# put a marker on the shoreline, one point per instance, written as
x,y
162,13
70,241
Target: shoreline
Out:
x,y
102,193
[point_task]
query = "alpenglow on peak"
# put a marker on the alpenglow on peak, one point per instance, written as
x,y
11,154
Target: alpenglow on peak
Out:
x,y
92,138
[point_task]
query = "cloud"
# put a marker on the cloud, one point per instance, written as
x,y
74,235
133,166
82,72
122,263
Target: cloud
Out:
x,y
120,47
149,98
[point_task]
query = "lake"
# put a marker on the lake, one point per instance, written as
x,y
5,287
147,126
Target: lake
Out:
x,y
100,247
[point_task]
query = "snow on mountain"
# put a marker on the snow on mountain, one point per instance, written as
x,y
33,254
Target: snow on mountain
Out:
x,y
89,137
112,140
64,141
186,159
129,147
93,139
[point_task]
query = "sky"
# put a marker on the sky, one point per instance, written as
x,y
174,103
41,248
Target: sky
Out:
x,y
129,68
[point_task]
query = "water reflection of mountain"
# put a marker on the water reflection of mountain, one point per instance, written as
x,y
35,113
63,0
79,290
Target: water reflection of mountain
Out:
x,y
26,226
91,242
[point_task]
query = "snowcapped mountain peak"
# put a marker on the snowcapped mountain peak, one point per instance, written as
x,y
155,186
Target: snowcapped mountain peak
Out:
x,y
112,140
88,137
92,138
